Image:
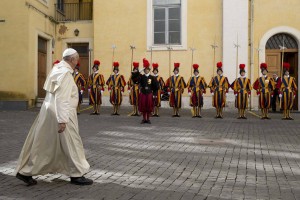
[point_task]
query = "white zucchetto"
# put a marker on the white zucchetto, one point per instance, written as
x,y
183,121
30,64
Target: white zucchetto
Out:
x,y
68,52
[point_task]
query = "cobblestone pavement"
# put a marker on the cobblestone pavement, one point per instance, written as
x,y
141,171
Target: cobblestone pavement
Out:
x,y
173,158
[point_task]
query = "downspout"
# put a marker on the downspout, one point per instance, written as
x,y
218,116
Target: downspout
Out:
x,y
251,46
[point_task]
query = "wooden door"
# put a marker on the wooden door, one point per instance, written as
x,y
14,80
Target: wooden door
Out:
x,y
42,66
273,59
83,51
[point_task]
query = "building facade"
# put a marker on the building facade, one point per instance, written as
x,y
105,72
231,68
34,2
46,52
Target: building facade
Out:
x,y
35,32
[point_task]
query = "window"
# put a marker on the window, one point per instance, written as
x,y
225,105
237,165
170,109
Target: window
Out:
x,y
167,22
60,5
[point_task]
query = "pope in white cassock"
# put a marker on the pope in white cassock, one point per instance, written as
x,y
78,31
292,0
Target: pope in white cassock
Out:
x,y
53,144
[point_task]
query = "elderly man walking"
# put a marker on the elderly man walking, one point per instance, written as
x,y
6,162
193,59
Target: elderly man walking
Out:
x,y
53,144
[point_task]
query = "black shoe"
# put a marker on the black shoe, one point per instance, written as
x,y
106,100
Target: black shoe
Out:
x,y
93,113
284,118
117,114
81,181
268,118
194,116
78,113
174,115
240,118
199,116
27,179
244,117
143,121
97,114
290,118
148,121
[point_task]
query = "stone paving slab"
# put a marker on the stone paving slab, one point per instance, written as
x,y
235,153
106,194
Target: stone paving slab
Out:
x,y
173,158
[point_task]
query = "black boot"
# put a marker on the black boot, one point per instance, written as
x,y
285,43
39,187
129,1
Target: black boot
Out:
x,y
27,179
81,181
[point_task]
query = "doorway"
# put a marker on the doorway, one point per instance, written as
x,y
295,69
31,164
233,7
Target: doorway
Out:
x,y
42,66
83,51
275,54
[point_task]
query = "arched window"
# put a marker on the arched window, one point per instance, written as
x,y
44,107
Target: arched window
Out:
x,y
277,40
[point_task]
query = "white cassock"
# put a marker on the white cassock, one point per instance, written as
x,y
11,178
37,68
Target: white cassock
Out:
x,y
45,150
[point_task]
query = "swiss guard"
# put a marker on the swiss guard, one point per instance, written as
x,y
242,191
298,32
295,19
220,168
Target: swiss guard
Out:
x,y
96,85
148,91
196,88
116,84
176,85
161,85
81,83
219,87
288,90
133,88
264,87
242,91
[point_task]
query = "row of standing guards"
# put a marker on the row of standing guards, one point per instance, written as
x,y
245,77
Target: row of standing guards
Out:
x,y
174,86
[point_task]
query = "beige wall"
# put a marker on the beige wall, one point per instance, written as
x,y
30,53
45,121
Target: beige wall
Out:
x,y
19,48
272,14
14,47
123,23
21,30
85,35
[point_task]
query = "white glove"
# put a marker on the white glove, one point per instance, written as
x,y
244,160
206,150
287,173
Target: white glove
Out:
x,y
259,94
280,95
212,94
81,92
101,92
129,91
226,94
89,90
190,94
169,93
234,94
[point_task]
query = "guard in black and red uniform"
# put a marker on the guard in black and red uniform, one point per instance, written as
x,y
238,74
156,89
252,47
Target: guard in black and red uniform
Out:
x,y
148,90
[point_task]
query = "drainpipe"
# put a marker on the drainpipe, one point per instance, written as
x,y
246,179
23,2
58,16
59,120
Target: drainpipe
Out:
x,y
251,46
